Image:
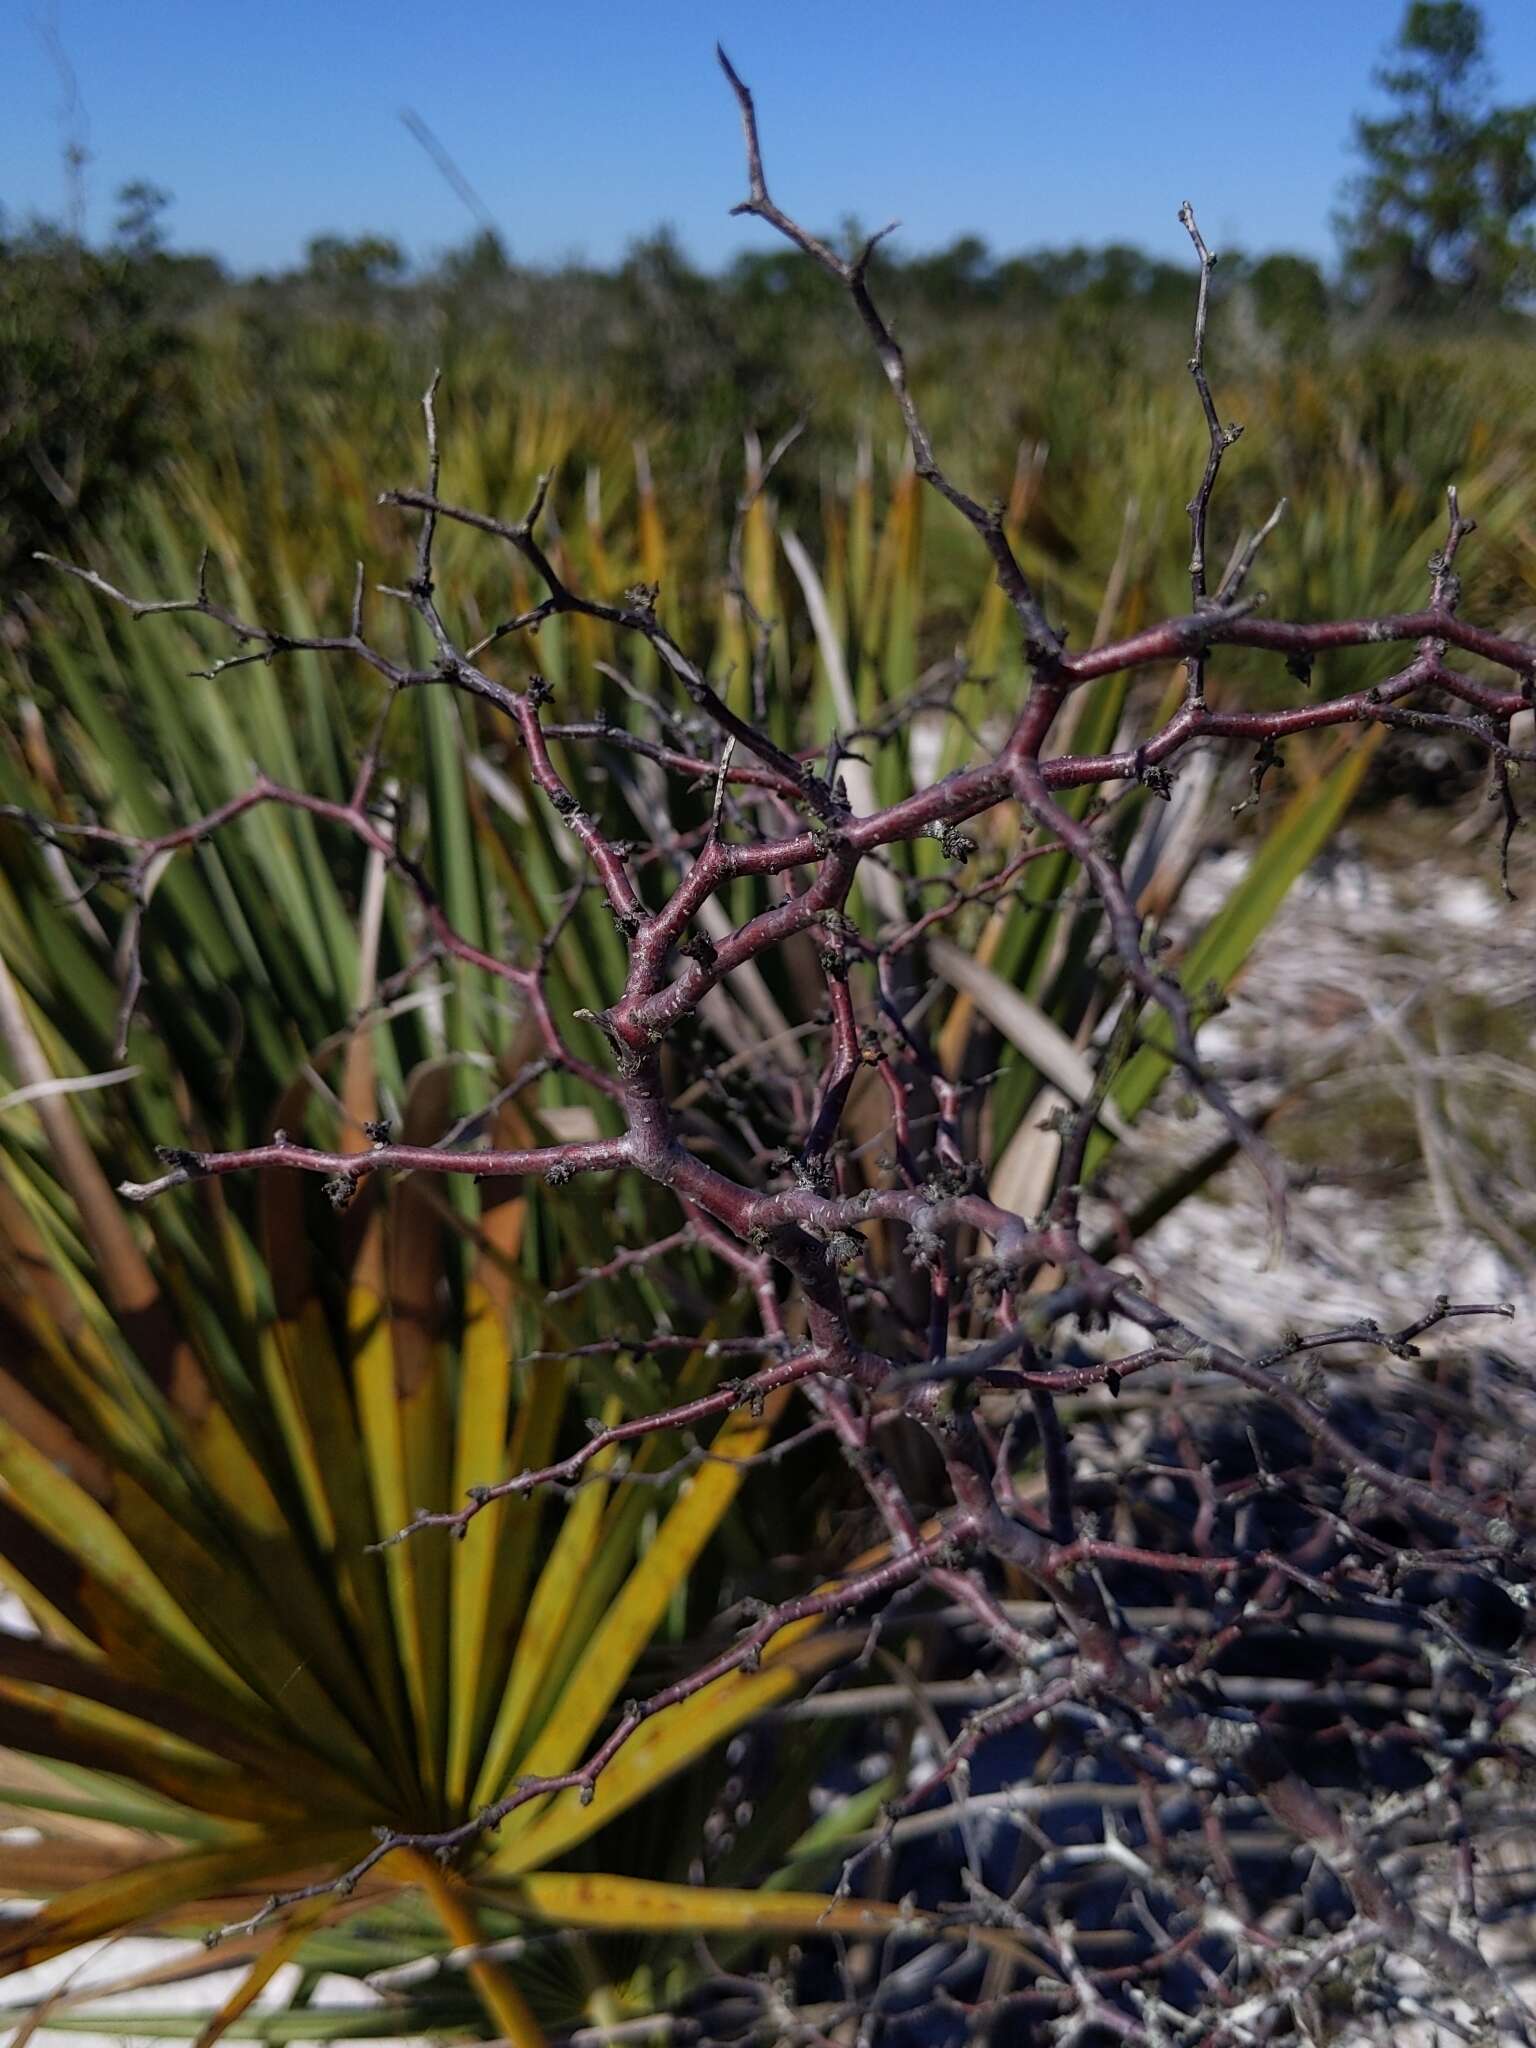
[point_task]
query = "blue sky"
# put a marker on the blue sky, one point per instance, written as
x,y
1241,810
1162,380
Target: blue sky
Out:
x,y
583,126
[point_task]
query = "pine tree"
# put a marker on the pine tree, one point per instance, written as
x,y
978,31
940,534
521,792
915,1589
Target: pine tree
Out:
x,y
1443,210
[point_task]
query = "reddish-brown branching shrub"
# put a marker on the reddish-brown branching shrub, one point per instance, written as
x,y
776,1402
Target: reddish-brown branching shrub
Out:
x,y
1250,1868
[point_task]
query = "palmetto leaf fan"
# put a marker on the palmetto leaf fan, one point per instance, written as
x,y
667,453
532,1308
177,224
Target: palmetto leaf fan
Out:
x,y
189,1497
203,1429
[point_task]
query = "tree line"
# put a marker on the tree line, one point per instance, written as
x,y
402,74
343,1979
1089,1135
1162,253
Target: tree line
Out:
x,y
103,350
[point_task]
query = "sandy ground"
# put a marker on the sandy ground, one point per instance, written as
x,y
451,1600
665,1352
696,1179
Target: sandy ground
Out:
x,y
1417,989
